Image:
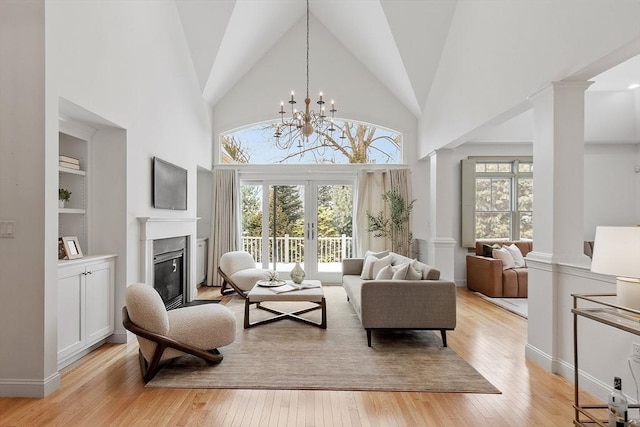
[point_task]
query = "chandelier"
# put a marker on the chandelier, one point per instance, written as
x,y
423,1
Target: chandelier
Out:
x,y
309,121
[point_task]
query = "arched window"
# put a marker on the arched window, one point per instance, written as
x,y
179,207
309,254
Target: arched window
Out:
x,y
340,142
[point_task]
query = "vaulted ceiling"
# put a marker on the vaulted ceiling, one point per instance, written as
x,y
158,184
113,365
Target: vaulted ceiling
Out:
x,y
380,33
400,42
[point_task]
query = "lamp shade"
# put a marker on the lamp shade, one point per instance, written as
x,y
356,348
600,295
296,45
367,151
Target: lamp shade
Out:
x,y
616,251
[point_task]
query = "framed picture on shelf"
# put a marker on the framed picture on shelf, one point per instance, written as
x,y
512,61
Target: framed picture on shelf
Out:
x,y
71,247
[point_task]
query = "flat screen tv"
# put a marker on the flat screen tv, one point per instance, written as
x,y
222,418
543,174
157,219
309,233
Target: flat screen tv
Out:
x,y
169,186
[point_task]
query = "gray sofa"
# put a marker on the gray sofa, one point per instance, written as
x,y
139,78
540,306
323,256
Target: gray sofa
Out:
x,y
427,303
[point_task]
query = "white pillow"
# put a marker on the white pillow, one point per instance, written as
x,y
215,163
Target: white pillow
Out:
x,y
378,255
412,273
386,273
505,256
406,272
515,252
373,265
400,271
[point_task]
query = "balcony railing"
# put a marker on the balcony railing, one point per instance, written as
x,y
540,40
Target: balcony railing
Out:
x,y
291,249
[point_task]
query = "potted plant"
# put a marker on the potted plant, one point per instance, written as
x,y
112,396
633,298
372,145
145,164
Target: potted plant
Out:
x,y
396,227
63,197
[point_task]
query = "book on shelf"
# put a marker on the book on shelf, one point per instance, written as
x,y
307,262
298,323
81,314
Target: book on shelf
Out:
x,y
68,159
69,165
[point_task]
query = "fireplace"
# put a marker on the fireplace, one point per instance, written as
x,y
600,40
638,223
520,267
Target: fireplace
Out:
x,y
169,273
156,234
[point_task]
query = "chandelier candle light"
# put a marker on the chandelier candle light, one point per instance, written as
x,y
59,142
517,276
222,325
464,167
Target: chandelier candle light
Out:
x,y
616,251
308,121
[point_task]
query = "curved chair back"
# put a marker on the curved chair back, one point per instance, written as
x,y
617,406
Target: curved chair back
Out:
x,y
146,308
191,330
234,261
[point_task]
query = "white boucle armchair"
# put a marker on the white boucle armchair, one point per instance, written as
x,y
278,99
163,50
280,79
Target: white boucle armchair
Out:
x,y
238,270
164,335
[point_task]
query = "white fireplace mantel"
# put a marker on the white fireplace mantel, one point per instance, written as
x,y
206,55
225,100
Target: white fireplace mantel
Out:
x,y
153,228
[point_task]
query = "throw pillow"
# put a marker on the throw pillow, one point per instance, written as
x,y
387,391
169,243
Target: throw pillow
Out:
x,y
487,250
378,255
515,252
406,271
373,265
412,273
386,273
505,256
400,271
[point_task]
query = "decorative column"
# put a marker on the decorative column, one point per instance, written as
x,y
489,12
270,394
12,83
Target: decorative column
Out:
x,y
441,244
558,188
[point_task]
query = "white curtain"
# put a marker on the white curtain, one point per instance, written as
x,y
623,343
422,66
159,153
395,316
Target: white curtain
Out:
x,y
225,220
370,187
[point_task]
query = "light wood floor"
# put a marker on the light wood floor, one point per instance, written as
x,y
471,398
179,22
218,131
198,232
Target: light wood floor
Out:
x,y
105,388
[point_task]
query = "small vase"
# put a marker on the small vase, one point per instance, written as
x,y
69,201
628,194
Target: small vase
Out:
x,y
297,274
61,203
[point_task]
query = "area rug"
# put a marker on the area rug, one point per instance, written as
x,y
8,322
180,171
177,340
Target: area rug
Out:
x,y
519,306
288,355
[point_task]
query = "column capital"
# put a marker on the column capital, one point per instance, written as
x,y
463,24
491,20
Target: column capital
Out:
x,y
553,86
440,151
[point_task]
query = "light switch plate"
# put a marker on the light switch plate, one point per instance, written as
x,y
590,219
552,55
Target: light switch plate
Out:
x,y
7,229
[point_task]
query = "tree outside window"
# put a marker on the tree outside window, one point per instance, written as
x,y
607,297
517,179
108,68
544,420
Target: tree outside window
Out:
x,y
503,200
349,142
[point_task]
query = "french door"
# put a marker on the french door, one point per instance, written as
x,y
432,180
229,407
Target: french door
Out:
x,y
305,221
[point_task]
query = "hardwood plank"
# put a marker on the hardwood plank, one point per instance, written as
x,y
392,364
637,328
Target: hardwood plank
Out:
x,y
105,388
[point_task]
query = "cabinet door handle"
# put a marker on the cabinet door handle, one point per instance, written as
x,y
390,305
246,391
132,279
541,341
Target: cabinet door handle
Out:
x,y
89,272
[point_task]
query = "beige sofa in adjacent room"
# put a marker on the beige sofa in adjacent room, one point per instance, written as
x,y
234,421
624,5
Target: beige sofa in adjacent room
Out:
x,y
419,301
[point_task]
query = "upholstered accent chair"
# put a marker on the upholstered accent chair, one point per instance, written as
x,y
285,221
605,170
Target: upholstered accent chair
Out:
x,y
163,335
239,273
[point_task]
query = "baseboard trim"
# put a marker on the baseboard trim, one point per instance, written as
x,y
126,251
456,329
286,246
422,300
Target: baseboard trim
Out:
x,y
588,382
538,357
119,337
16,387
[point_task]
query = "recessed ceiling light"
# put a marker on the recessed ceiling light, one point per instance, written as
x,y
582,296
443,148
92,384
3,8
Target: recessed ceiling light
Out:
x,y
634,86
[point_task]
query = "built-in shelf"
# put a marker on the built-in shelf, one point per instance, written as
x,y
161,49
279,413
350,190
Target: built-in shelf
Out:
x,y
71,171
74,146
71,211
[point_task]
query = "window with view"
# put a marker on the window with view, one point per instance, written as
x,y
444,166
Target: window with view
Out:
x,y
499,200
348,142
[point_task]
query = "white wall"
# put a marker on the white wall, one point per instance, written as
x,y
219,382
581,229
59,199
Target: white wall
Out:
x,y
611,186
496,56
126,62
27,268
333,70
612,116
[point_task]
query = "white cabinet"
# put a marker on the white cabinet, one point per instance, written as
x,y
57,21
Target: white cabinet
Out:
x,y
201,260
86,290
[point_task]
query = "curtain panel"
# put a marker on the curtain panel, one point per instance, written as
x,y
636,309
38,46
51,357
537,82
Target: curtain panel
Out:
x,y
225,220
370,187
